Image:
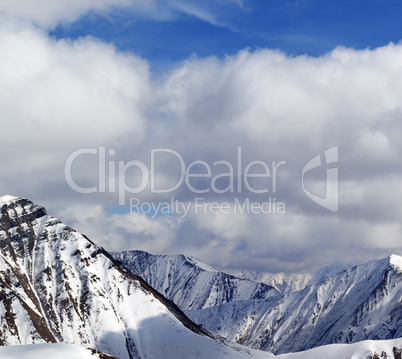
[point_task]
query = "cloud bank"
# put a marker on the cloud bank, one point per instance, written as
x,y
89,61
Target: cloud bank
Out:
x,y
58,96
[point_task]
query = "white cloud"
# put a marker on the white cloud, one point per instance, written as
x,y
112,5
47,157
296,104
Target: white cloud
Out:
x,y
129,231
291,242
283,108
59,95
275,99
63,83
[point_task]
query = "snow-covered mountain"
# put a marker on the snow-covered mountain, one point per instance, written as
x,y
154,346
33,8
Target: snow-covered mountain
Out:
x,y
58,286
188,282
360,303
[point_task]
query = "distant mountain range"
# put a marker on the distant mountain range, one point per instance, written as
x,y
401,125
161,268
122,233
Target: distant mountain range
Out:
x,y
358,303
189,283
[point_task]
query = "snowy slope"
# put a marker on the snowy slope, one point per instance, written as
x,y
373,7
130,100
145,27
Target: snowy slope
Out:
x,y
188,282
369,349
391,349
59,351
360,303
58,286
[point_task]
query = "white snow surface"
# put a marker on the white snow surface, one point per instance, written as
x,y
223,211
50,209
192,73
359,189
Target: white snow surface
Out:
x,y
362,350
205,267
44,351
7,199
396,261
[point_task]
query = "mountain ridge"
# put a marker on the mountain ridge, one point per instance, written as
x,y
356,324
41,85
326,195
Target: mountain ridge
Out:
x,y
190,283
359,303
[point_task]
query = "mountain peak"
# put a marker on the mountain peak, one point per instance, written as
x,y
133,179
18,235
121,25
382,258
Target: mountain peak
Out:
x,y
14,211
203,266
396,261
8,199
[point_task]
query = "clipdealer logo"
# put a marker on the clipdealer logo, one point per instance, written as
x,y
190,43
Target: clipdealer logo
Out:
x,y
109,170
330,200
237,178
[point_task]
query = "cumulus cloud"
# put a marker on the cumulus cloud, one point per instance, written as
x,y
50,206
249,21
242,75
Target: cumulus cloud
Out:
x,y
276,108
116,232
275,99
58,96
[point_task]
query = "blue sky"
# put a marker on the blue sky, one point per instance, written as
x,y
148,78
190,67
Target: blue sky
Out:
x,y
295,27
